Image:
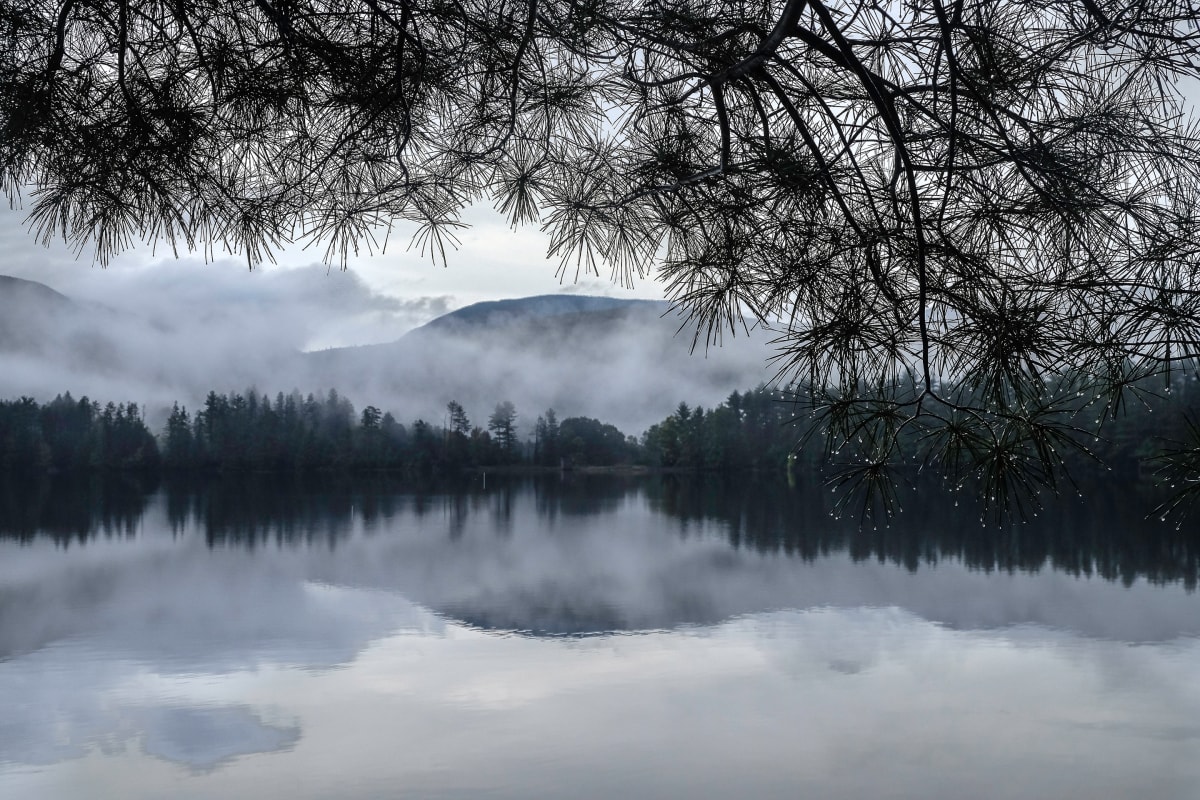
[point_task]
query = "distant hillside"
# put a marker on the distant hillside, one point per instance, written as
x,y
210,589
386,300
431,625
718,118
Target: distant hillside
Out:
x,y
50,343
617,360
501,312
623,361
18,290
28,311
523,321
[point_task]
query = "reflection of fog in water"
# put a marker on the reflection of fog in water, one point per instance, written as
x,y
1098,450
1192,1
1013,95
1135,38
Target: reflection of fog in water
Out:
x,y
214,628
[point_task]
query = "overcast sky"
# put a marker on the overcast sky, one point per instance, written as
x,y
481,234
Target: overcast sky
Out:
x,y
376,300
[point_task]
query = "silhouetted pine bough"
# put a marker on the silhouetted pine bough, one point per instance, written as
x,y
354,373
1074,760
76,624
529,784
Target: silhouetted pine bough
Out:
x,y
1178,467
987,191
1011,443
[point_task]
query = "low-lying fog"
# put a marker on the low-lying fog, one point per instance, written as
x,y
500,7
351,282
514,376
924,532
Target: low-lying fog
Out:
x,y
174,332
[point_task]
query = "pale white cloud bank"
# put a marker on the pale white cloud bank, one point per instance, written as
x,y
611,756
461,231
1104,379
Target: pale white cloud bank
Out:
x,y
493,261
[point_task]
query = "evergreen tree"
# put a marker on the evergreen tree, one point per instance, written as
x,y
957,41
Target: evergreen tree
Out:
x,y
547,440
502,425
178,448
458,442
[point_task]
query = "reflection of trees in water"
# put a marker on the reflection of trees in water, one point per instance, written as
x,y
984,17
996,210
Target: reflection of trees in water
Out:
x,y
70,508
1106,535
252,510
259,509
581,494
1106,532
255,510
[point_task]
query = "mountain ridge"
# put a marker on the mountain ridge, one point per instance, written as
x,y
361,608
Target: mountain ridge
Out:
x,y
614,359
569,309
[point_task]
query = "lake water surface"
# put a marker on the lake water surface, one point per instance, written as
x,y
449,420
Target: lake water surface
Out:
x,y
586,637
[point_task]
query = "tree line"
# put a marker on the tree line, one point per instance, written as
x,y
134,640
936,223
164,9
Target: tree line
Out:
x,y
249,431
68,435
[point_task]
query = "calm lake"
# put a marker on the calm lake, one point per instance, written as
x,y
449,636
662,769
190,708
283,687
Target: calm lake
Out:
x,y
587,637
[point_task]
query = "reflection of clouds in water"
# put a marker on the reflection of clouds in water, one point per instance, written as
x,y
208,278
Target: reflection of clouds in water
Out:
x,y
73,698
54,705
80,627
73,716
758,706
205,738
625,572
179,606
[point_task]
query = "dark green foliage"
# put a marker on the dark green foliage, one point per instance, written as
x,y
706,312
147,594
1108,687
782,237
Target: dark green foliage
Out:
x,y
179,447
546,446
751,432
583,440
21,436
67,435
124,440
1178,467
67,430
295,432
458,434
1013,452
502,425
298,433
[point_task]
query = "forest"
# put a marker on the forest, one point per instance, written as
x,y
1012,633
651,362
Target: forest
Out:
x,y
762,429
249,431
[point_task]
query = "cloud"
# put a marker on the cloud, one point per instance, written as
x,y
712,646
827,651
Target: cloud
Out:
x,y
158,335
173,332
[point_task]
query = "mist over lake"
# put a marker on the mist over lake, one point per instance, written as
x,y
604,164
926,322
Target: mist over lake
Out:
x,y
628,362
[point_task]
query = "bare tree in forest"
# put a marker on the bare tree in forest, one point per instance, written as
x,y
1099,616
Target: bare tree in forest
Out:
x,y
971,223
